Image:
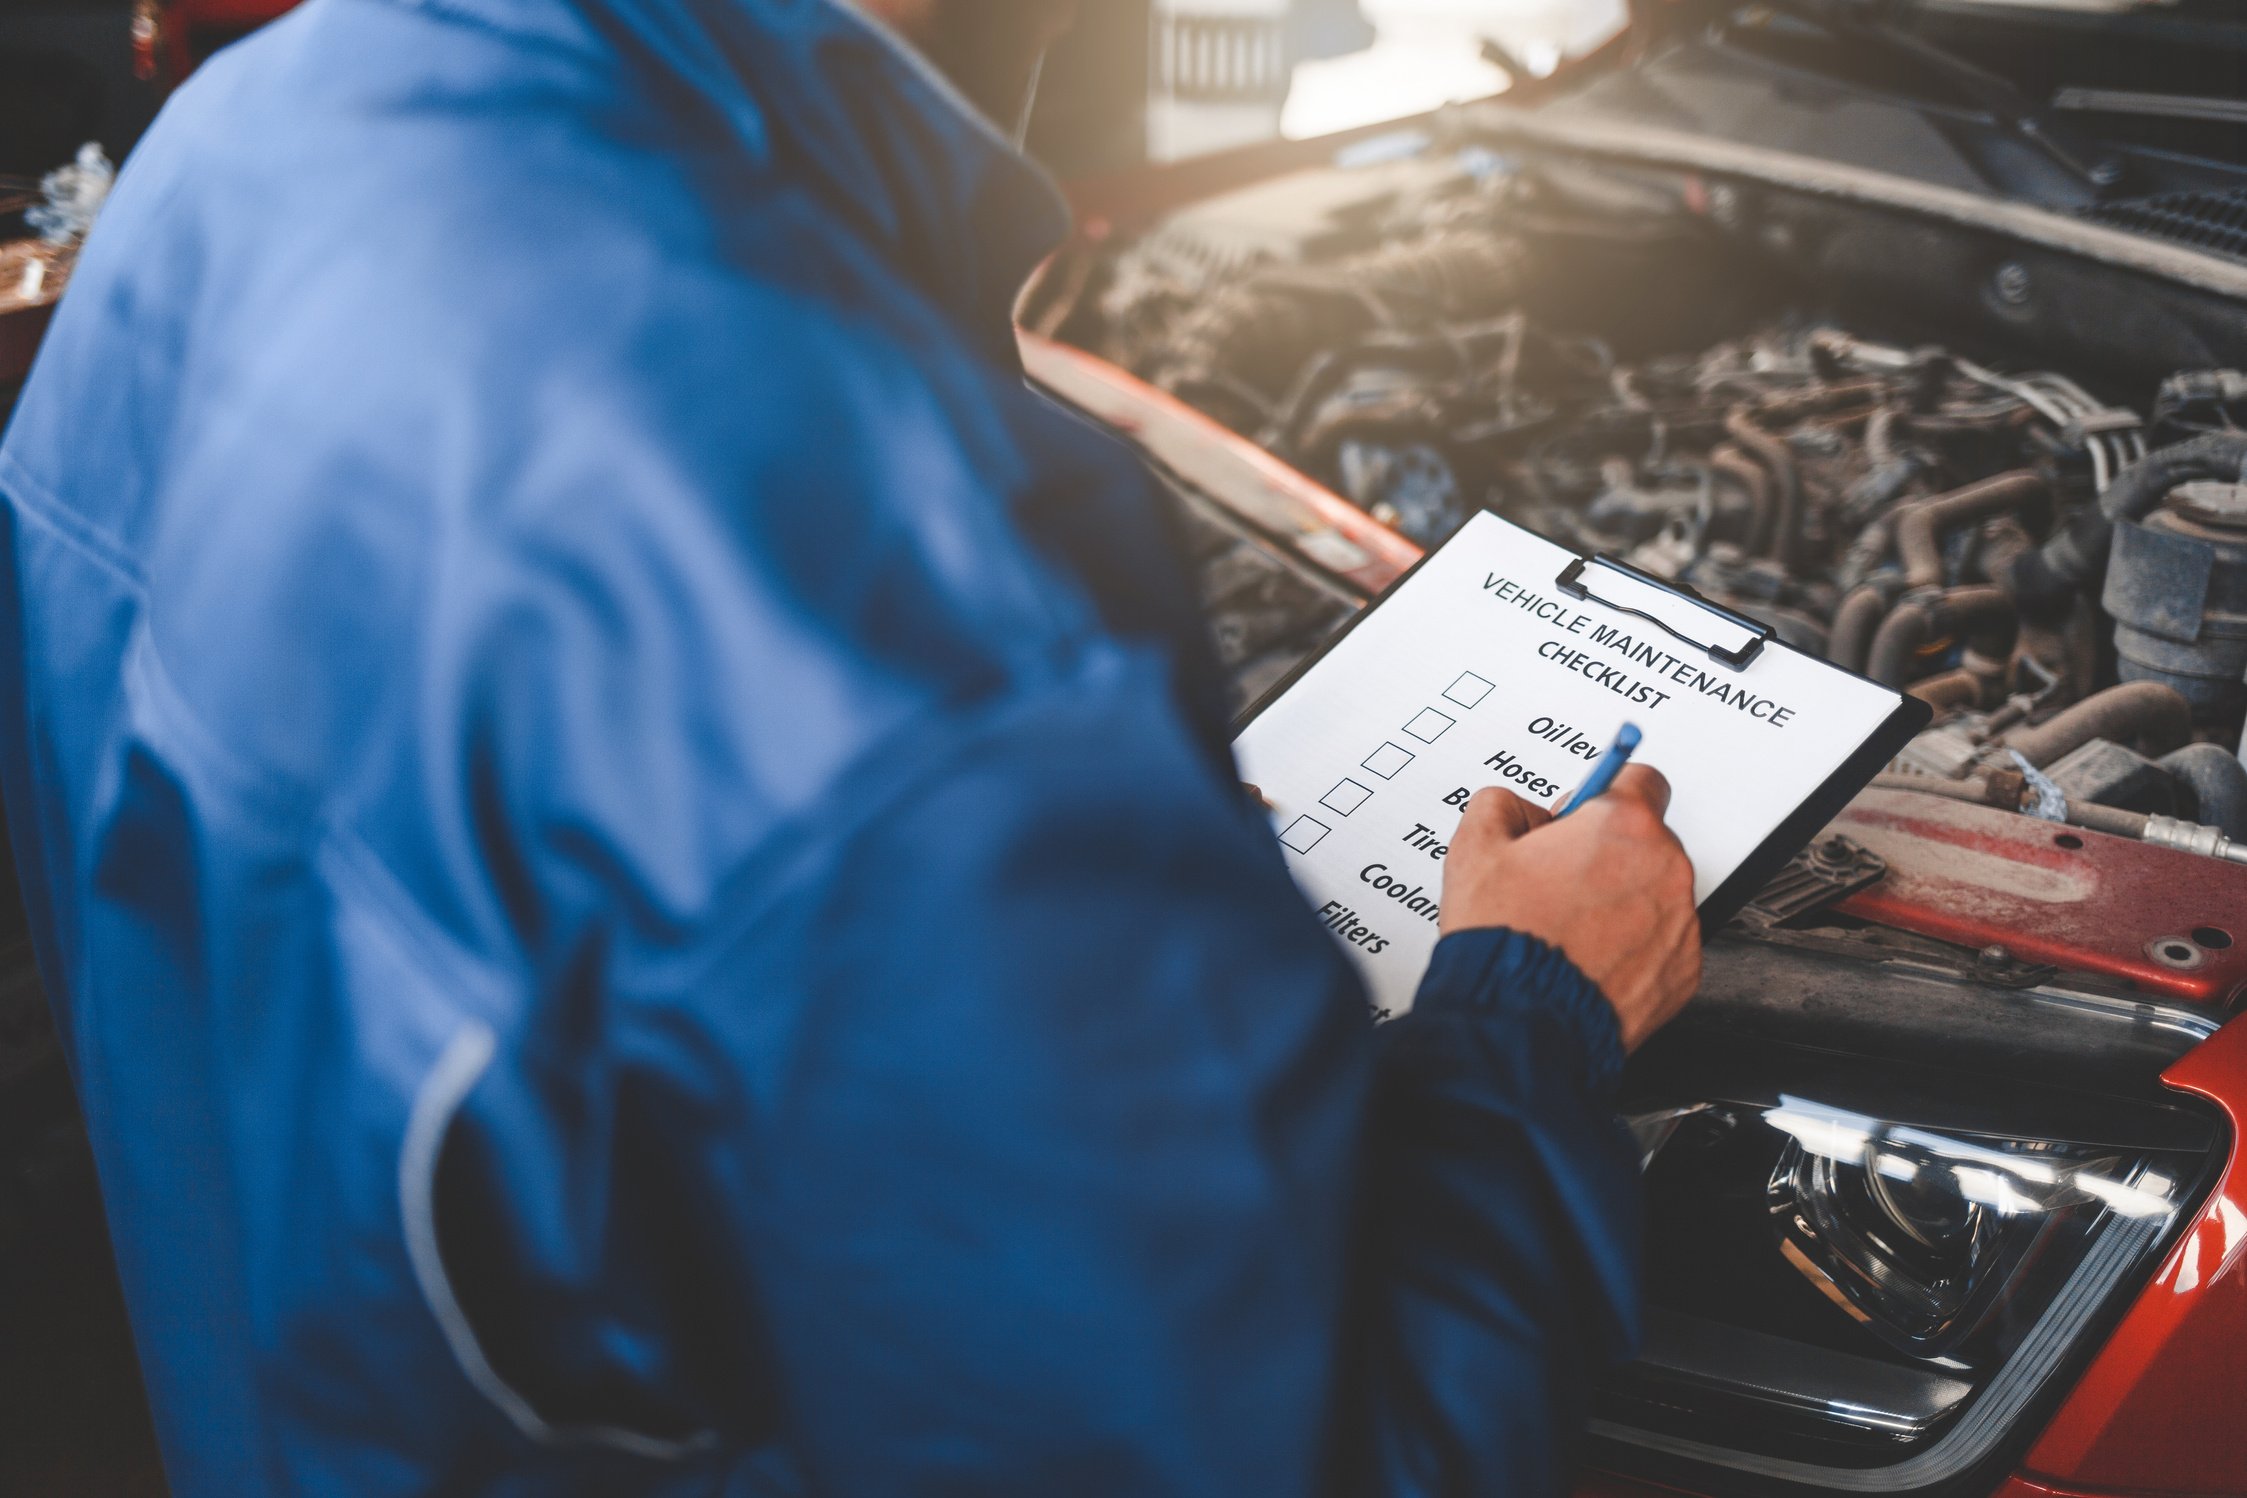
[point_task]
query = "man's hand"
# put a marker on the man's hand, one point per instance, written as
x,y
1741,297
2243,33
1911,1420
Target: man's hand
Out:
x,y
1610,887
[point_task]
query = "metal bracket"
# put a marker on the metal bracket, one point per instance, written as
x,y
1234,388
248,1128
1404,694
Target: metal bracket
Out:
x,y
1830,869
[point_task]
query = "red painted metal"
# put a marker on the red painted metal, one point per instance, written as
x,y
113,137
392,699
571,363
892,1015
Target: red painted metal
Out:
x,y
2078,900
20,332
187,31
231,13
2159,1410
1259,489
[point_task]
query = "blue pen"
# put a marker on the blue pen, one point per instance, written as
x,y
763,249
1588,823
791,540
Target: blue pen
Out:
x,y
1603,773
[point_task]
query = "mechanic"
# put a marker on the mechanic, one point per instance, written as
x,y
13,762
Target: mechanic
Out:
x,y
635,847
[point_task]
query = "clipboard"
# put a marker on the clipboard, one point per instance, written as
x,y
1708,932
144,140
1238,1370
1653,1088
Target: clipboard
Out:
x,y
1699,651
1727,637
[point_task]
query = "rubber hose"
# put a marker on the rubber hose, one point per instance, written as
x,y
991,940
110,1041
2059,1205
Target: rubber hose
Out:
x,y
1978,679
1892,469
2219,785
1921,528
1855,622
2144,710
2067,649
2112,820
1919,620
1867,552
1749,475
1882,486
1772,451
2044,581
1974,790
1880,442
2003,540
1902,635
2138,489
1960,688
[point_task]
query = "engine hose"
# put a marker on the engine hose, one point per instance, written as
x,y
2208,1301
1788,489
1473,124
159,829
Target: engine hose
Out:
x,y
2064,651
1981,790
1975,790
1979,678
1892,471
2044,581
1866,552
2111,820
2143,710
1921,527
1856,621
1960,688
1773,453
2089,815
2003,540
1880,438
1922,619
2219,785
1749,475
2162,832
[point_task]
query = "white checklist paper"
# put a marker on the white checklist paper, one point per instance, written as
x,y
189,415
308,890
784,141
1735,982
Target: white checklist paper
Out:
x,y
1479,670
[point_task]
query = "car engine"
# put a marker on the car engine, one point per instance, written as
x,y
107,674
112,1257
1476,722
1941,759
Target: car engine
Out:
x,y
2058,566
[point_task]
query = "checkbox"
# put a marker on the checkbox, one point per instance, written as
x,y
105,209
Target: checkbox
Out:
x,y
1387,760
1428,725
1468,690
1303,833
1346,797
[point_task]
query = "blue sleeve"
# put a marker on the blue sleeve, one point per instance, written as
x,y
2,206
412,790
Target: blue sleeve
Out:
x,y
1501,1216
1025,1134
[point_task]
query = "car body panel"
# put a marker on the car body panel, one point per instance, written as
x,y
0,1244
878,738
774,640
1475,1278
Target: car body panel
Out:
x,y
1261,491
2158,1410
2075,899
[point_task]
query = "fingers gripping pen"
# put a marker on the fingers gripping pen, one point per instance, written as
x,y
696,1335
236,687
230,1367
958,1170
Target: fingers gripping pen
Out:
x,y
1604,772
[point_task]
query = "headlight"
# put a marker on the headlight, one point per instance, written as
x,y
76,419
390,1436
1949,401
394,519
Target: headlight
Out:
x,y
1888,1213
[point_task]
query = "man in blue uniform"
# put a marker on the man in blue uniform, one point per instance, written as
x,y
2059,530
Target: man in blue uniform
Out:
x,y
635,851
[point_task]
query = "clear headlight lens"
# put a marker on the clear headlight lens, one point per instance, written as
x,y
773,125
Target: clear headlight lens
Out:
x,y
1866,1274
1918,1235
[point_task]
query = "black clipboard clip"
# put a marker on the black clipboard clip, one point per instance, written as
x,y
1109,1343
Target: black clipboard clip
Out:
x,y
1739,639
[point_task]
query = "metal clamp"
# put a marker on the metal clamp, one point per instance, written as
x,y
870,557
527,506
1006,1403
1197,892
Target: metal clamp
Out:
x,y
1626,589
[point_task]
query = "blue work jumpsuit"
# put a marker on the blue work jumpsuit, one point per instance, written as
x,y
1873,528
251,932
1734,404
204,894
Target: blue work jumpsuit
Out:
x,y
634,846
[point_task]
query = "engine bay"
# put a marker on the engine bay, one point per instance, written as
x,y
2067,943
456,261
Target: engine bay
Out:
x,y
1655,366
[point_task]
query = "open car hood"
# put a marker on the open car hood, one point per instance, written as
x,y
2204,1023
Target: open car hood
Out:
x,y
2122,112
